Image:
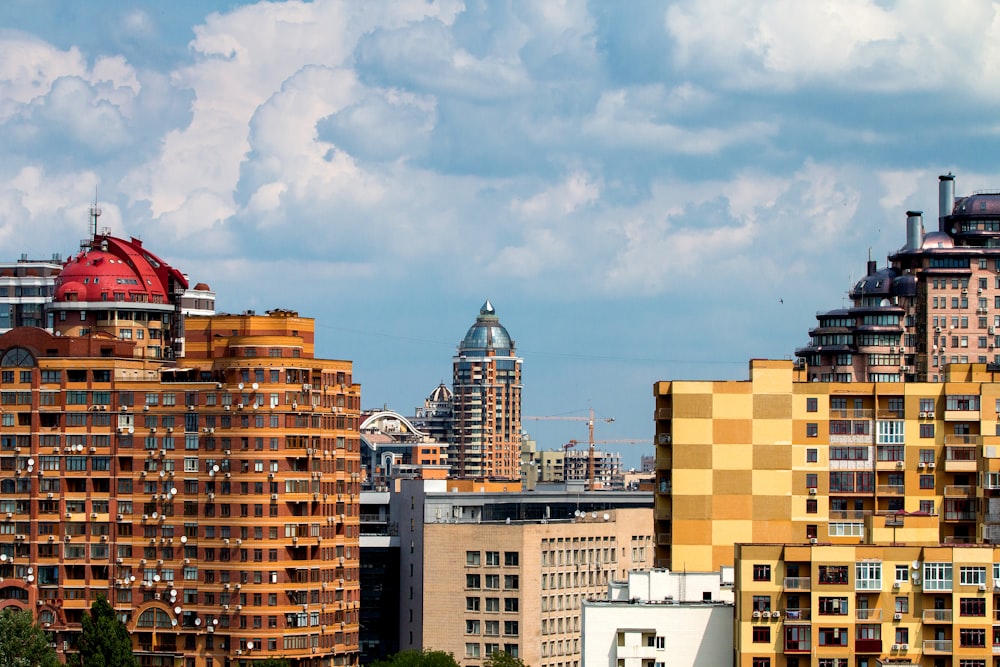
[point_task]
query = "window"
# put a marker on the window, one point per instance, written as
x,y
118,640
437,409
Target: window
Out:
x,y
972,607
927,481
761,634
937,576
472,604
972,637
812,480
902,574
927,430
492,604
902,635
972,575
510,604
833,574
510,558
833,606
812,404
812,430
472,627
761,662
471,557
762,603
510,582
811,506
902,605
510,628
761,572
472,650
472,581
812,455
492,558
868,576
833,636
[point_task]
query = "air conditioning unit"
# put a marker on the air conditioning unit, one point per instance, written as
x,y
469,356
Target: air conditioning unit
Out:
x,y
226,407
756,614
775,614
152,429
210,629
965,291
899,464
239,406
895,647
937,329
982,587
239,607
895,585
766,614
170,429
897,616
812,492
274,496
295,406
921,464
904,647
931,465
227,452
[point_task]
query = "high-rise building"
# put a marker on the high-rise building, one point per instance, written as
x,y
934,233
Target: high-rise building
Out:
x,y
937,302
782,459
487,402
214,502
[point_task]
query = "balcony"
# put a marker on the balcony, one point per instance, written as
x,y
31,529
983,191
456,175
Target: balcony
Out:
x,y
959,458
891,490
852,413
953,491
937,646
961,415
663,538
797,583
874,614
801,646
850,464
867,645
801,615
849,515
937,615
664,413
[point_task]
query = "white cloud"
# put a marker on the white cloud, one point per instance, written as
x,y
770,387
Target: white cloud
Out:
x,y
852,44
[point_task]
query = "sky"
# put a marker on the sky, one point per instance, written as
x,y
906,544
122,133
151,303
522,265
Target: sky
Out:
x,y
644,190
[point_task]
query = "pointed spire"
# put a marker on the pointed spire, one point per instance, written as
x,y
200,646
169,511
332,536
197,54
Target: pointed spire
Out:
x,y
487,309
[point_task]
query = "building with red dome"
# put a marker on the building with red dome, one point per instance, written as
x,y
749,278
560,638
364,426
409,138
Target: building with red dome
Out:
x,y
120,288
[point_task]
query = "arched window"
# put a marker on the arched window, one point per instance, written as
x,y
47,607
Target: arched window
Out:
x,y
13,593
47,617
17,357
153,618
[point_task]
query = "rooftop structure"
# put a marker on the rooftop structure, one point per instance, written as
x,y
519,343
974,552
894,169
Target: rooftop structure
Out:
x,y
937,302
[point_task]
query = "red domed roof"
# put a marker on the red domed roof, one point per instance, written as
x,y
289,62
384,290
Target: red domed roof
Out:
x,y
113,266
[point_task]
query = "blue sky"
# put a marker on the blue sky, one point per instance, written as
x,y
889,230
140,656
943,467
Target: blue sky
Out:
x,y
644,190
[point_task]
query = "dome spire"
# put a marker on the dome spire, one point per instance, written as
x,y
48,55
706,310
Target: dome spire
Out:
x,y
487,309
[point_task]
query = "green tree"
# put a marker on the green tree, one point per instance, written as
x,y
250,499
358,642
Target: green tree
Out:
x,y
501,659
418,659
22,643
104,641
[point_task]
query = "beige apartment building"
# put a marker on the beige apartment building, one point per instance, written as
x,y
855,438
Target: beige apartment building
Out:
x,y
486,572
868,605
778,458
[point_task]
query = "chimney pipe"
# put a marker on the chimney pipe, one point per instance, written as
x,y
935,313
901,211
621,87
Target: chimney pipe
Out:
x,y
946,199
872,267
914,230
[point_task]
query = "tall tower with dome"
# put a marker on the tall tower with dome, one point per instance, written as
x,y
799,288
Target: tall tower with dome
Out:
x,y
486,389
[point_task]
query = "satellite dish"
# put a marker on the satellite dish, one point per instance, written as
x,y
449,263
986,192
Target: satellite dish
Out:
x,y
607,517
915,565
249,646
884,303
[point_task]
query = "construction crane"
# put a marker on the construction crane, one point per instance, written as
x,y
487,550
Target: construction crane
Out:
x,y
590,436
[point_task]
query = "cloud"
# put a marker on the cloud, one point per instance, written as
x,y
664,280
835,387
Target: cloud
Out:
x,y
849,44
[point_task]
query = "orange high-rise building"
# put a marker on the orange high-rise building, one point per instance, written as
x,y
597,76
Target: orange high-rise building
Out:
x,y
214,502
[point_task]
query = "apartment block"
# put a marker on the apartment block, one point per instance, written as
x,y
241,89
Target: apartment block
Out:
x,y
779,458
213,501
867,605
488,571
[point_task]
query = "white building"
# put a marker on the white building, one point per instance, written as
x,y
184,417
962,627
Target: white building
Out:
x,y
659,618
